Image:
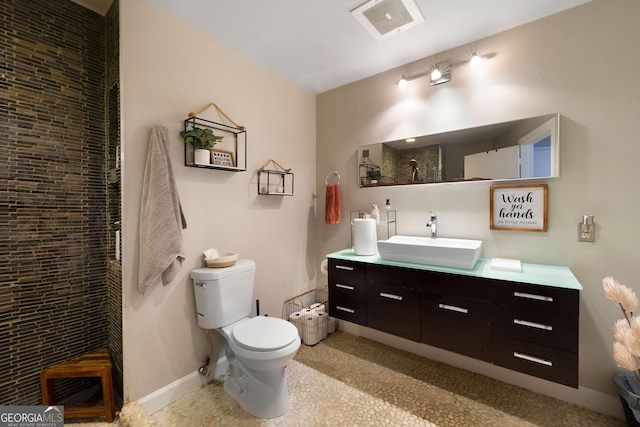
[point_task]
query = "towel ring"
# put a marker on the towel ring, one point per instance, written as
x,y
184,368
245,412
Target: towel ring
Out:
x,y
326,181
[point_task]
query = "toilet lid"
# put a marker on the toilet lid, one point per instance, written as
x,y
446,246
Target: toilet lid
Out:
x,y
265,333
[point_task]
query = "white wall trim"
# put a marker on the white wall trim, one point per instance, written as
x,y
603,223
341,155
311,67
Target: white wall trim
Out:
x,y
171,392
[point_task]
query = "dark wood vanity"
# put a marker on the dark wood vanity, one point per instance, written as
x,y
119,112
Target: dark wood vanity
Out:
x,y
506,318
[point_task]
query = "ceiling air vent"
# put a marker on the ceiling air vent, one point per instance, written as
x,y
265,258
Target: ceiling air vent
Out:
x,y
384,18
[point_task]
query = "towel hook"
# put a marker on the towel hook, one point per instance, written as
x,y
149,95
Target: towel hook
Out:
x,y
326,181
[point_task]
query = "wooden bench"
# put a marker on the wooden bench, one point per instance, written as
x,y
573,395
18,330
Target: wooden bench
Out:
x,y
96,364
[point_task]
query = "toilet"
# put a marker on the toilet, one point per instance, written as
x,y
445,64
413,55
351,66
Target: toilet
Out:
x,y
257,349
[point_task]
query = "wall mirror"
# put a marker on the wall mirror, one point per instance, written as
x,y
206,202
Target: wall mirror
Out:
x,y
518,149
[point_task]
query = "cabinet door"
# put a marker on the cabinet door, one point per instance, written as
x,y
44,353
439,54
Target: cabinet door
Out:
x,y
394,309
457,324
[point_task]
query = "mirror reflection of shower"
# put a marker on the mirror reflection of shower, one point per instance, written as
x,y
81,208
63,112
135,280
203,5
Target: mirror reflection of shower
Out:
x,y
414,174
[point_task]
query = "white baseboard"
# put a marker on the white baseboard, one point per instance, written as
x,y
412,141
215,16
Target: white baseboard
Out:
x,y
171,392
174,391
585,397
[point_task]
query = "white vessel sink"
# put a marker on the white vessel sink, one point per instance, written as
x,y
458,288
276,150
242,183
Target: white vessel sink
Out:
x,y
443,252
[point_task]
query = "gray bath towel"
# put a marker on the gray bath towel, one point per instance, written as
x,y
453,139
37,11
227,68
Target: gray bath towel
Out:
x,y
161,217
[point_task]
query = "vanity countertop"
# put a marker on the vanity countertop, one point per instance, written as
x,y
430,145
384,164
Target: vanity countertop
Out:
x,y
536,274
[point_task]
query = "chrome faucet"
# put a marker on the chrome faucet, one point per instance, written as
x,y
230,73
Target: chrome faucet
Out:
x,y
433,224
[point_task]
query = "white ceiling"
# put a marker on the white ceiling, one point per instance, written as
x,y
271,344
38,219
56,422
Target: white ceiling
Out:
x,y
319,45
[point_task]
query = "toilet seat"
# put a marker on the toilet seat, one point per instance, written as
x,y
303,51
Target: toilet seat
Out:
x,y
264,333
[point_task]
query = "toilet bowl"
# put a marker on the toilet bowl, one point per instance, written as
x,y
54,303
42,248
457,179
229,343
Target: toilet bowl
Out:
x,y
262,343
257,349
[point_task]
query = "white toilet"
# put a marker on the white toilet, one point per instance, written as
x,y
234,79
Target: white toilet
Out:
x,y
258,349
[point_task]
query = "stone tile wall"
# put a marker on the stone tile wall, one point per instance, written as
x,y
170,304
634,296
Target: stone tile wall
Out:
x,y
114,267
53,208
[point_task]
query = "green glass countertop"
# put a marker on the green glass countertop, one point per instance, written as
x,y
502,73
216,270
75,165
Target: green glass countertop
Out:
x,y
536,274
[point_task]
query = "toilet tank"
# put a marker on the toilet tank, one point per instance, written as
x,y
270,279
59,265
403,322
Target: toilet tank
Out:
x,y
223,295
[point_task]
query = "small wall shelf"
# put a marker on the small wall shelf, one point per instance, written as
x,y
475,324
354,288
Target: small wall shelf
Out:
x,y
230,154
275,183
364,169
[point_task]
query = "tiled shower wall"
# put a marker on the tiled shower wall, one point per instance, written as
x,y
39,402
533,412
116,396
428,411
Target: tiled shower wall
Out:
x,y
53,206
114,266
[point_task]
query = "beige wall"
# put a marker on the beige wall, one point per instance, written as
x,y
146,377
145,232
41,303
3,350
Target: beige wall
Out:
x,y
582,63
168,69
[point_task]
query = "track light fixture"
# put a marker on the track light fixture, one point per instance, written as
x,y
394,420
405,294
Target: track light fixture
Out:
x,y
403,83
476,60
441,73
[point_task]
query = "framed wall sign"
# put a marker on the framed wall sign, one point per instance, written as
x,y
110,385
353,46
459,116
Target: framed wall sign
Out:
x,y
519,207
222,158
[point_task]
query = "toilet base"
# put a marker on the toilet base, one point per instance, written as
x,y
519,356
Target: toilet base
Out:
x,y
263,394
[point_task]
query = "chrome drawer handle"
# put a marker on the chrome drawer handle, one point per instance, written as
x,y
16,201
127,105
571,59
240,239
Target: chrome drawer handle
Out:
x,y
351,288
532,359
533,324
533,296
348,310
344,267
391,296
201,284
453,308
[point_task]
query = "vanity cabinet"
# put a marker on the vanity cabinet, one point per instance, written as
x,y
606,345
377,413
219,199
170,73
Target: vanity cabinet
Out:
x,y
393,301
458,324
347,290
456,314
530,328
535,330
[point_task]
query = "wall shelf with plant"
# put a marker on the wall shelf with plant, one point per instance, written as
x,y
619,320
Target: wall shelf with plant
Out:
x,y
212,145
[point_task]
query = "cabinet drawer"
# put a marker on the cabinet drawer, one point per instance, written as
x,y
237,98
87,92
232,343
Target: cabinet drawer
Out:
x,y
533,359
536,297
349,310
460,285
540,327
406,277
348,270
461,325
394,309
348,288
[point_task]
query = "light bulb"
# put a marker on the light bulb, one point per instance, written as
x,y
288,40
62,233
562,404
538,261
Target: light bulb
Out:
x,y
435,74
403,83
476,60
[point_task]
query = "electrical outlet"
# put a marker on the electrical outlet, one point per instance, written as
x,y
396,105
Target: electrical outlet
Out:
x,y
586,233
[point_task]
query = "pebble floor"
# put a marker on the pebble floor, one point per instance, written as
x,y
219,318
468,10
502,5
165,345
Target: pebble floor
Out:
x,y
347,380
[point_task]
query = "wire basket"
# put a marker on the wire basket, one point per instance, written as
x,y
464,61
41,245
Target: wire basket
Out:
x,y
308,312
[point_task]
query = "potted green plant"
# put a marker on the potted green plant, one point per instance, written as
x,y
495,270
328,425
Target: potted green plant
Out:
x,y
374,176
202,140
